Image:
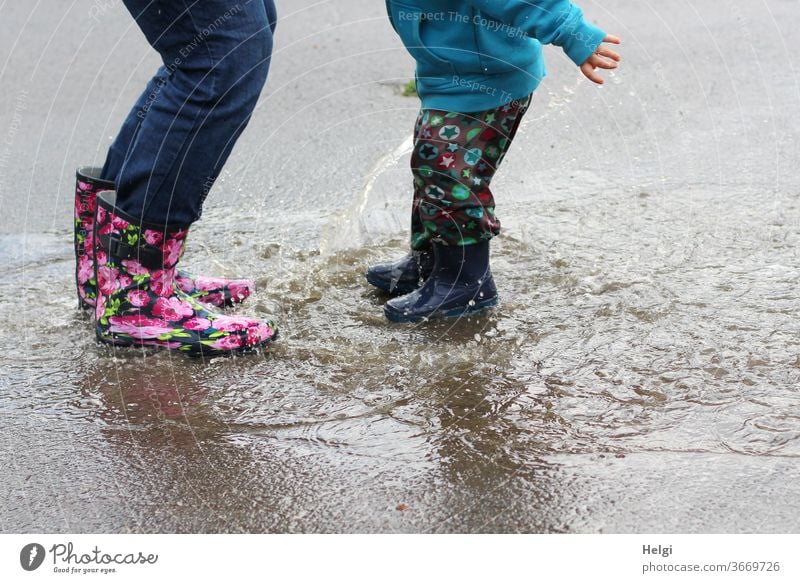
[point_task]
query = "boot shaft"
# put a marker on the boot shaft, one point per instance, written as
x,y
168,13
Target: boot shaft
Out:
x,y
462,263
87,184
131,252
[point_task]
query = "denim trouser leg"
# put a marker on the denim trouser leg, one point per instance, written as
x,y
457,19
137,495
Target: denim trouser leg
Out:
x,y
121,147
179,134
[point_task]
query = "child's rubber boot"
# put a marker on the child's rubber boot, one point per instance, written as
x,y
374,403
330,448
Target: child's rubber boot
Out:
x,y
403,276
214,291
461,283
139,302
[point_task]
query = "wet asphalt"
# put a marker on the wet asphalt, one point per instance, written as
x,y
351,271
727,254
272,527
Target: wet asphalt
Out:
x,y
643,374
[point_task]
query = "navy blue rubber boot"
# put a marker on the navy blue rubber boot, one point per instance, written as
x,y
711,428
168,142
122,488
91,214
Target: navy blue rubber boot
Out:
x,y
461,283
403,276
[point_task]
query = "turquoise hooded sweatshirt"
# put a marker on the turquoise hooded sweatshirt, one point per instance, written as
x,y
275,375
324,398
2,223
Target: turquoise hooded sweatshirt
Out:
x,y
474,55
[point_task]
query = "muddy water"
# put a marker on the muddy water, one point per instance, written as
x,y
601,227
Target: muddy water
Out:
x,y
641,374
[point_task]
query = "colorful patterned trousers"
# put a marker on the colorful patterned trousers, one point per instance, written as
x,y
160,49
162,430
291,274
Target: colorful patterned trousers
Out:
x,y
455,158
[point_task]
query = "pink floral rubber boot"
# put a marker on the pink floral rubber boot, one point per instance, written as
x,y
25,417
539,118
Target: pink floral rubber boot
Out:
x,y
215,291
139,301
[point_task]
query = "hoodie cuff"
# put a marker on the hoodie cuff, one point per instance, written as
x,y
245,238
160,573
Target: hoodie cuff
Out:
x,y
582,40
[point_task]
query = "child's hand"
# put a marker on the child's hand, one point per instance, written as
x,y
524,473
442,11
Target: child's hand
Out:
x,y
603,58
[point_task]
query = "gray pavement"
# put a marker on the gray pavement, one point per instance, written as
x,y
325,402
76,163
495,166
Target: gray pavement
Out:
x,y
641,376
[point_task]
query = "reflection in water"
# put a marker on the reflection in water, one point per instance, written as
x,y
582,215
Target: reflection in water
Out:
x,y
492,464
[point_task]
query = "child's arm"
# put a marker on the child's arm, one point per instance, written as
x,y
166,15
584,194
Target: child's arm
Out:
x,y
560,23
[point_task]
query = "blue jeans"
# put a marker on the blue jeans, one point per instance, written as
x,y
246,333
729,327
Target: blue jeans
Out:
x,y
179,134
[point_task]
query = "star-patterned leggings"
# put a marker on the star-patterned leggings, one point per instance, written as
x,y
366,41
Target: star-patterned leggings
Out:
x,y
455,158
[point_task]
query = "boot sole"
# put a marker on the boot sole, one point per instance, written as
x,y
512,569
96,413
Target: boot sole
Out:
x,y
202,351
400,289
398,318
